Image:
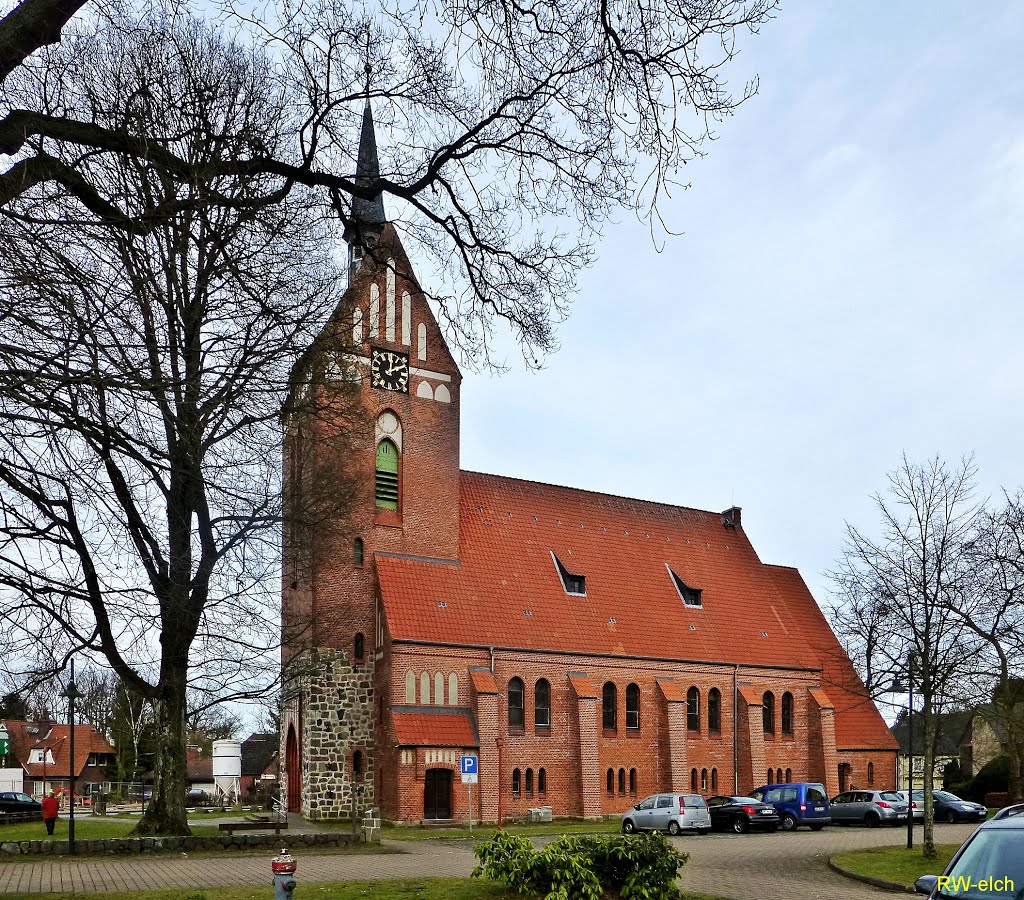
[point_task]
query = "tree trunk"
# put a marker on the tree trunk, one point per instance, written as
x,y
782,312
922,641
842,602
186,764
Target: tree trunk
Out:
x,y
165,813
928,837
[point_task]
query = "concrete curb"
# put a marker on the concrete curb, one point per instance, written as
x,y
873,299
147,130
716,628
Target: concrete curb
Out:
x,y
895,886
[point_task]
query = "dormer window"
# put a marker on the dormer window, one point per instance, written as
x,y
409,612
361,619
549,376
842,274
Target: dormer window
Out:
x,y
572,584
689,595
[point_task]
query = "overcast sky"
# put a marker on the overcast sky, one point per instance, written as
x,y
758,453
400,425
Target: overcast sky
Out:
x,y
847,288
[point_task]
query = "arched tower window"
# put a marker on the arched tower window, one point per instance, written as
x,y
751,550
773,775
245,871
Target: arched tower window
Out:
x,y
410,687
542,703
358,648
453,689
871,773
387,475
768,715
542,781
357,763
632,707
787,713
517,781
693,709
714,710
529,782
609,707
357,551
425,688
610,781
515,703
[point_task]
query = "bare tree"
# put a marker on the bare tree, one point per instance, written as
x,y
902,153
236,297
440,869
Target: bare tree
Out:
x,y
142,374
516,131
899,587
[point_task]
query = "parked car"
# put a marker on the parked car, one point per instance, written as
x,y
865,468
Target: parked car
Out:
x,y
916,806
797,804
989,866
873,808
950,808
668,812
17,802
742,814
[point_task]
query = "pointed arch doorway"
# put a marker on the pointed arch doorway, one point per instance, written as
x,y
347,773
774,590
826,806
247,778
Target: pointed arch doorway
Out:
x,y
294,772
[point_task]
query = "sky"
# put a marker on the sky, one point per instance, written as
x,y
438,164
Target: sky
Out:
x,y
846,289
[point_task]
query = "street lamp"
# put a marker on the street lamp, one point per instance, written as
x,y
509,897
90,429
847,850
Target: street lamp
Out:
x,y
72,693
898,688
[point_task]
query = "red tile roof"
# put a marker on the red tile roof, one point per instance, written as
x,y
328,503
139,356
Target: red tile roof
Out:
x,y
418,726
673,692
56,738
507,592
582,686
483,682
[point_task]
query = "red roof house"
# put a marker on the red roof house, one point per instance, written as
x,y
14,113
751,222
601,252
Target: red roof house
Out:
x,y
43,749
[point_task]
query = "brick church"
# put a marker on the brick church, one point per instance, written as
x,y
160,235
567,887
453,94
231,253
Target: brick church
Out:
x,y
590,649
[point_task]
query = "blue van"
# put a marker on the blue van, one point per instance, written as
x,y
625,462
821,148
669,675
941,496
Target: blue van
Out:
x,y
797,804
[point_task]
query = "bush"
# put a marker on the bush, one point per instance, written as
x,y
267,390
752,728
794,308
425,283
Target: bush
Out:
x,y
993,777
575,867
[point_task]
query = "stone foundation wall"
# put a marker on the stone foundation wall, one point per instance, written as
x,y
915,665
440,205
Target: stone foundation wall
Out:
x,y
178,844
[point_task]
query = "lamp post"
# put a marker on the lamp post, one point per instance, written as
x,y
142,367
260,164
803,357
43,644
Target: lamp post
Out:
x,y
898,688
72,693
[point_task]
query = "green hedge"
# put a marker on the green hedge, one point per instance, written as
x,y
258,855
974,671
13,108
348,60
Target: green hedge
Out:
x,y
994,776
583,867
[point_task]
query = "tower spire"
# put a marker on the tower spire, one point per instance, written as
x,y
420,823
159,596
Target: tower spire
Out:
x,y
368,216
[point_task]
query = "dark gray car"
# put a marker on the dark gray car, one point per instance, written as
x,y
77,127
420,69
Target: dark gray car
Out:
x,y
870,808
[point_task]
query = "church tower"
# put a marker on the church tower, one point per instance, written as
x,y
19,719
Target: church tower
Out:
x,y
402,466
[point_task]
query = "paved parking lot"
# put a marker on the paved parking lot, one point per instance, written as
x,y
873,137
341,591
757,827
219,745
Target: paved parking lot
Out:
x,y
742,867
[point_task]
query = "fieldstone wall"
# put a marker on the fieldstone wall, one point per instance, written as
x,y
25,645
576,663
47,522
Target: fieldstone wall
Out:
x,y
337,713
178,844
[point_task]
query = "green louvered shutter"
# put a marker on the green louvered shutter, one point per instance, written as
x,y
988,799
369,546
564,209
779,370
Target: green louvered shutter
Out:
x,y
387,475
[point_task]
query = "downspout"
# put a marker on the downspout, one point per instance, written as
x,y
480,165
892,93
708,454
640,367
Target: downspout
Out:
x,y
736,729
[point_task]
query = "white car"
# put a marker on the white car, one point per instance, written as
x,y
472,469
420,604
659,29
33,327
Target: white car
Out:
x,y
916,807
668,812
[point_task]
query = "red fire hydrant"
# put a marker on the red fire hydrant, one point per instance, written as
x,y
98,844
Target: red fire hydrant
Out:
x,y
283,866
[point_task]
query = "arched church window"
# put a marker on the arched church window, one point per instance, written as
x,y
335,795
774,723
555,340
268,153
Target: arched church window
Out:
x,y
387,475
357,551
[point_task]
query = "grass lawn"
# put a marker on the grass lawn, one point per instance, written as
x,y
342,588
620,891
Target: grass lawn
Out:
x,y
403,889
87,828
896,863
486,832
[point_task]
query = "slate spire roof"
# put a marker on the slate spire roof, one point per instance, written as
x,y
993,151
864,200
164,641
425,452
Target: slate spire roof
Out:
x,y
367,215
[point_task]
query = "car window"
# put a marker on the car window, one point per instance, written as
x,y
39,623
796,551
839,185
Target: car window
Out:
x,y
692,801
646,803
758,794
717,801
947,796
891,796
664,802
865,797
815,792
24,798
994,855
842,798
789,795
772,796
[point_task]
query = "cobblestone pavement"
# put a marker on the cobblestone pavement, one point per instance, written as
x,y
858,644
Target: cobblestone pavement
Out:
x,y
748,867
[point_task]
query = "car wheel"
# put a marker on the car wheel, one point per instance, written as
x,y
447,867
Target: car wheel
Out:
x,y
739,825
673,828
788,822
872,820
951,817
628,827
817,827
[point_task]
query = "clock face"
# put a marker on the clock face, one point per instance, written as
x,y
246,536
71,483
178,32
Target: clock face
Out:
x,y
389,369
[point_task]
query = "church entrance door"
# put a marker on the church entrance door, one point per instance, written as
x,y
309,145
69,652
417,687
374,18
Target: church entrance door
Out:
x,y
291,762
437,794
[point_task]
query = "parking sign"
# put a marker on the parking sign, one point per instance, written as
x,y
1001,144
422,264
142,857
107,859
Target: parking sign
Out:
x,y
470,768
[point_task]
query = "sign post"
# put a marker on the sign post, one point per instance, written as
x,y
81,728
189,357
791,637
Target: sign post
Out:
x,y
470,768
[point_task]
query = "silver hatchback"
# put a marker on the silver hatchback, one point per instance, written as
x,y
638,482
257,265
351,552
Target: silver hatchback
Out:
x,y
870,807
668,812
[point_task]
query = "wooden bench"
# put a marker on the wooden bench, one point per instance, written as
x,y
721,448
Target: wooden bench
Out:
x,y
252,823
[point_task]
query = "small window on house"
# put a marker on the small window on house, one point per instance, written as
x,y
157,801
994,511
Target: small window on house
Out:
x,y
714,710
425,688
768,715
357,551
357,646
693,780
517,782
453,689
714,779
622,781
410,687
771,777
778,776
871,773
703,781
515,703
690,596
632,781
610,781
787,713
542,703
542,782
357,763
572,584
632,707
609,706
387,475
529,782
693,709
789,776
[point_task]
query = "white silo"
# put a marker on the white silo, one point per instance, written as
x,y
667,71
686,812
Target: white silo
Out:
x,y
227,770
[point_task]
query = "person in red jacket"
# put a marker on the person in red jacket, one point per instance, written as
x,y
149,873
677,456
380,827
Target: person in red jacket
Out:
x,y
50,808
